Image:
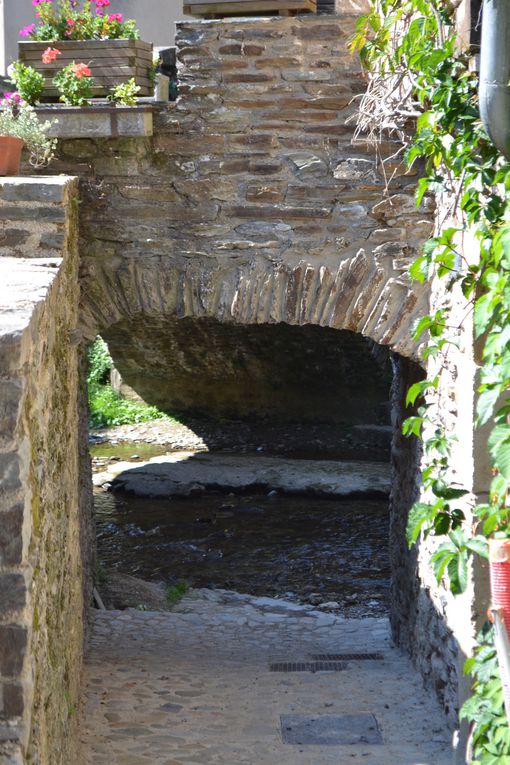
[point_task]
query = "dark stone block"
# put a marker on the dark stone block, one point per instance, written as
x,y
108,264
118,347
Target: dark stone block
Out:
x,y
265,168
10,354
9,472
55,240
247,77
50,214
13,593
11,540
13,702
13,644
23,191
12,237
10,396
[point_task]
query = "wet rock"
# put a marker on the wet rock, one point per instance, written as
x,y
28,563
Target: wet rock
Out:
x,y
185,473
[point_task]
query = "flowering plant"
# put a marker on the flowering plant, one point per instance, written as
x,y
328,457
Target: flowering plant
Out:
x,y
66,20
28,82
74,83
18,119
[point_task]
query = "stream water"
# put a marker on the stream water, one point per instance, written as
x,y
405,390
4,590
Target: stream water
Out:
x,y
304,548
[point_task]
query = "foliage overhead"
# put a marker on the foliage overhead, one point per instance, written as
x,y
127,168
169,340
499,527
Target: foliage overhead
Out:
x,y
411,47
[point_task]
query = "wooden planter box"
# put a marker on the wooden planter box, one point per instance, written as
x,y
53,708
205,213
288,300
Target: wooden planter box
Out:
x,y
219,8
111,62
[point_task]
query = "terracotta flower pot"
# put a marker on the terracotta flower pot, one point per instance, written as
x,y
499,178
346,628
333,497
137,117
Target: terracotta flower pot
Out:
x,y
10,154
499,560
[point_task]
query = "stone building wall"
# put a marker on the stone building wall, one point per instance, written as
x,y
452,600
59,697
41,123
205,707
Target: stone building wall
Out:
x,y
249,204
43,485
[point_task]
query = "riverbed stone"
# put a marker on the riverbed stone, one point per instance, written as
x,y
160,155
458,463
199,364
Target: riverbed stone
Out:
x,y
186,473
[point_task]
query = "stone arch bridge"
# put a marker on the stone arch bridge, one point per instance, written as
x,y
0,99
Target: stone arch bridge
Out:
x,y
249,205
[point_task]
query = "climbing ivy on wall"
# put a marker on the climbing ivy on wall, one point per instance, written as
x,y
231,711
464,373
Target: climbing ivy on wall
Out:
x,y
411,46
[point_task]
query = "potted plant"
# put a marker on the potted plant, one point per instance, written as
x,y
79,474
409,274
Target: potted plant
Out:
x,y
90,33
20,126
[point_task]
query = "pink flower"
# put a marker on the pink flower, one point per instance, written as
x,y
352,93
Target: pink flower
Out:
x,y
71,22
102,3
80,70
115,17
27,31
49,55
11,99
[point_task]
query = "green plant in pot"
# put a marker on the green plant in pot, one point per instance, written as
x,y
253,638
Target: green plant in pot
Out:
x,y
20,126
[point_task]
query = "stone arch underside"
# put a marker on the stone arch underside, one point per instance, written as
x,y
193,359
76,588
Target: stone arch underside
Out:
x,y
360,294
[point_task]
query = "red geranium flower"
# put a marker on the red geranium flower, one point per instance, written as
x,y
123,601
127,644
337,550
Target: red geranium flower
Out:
x,y
49,55
81,70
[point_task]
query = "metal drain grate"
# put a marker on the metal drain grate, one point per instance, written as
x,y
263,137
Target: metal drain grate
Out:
x,y
307,666
346,656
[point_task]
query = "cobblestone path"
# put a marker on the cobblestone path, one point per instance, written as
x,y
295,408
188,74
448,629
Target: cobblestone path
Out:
x,y
194,686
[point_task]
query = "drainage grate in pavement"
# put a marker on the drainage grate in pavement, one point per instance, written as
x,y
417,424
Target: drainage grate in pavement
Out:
x,y
307,666
346,656
330,730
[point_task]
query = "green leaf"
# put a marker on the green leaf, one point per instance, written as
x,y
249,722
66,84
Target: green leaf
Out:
x,y
445,491
478,545
458,572
419,388
486,404
418,515
412,426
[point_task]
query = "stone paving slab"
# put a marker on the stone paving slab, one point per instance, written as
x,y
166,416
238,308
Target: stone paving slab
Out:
x,y
194,687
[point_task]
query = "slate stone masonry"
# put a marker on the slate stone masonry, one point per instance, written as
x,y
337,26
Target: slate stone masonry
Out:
x,y
43,513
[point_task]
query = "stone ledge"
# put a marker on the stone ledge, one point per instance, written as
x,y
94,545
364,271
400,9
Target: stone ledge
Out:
x,y
101,121
51,188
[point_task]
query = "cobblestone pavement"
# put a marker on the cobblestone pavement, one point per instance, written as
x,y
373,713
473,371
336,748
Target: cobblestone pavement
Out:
x,y
194,686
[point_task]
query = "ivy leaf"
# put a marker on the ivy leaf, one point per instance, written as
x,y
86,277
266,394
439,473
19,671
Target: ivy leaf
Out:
x,y
442,524
482,315
419,269
485,404
419,388
458,572
445,491
478,545
418,515
412,426
443,556
499,448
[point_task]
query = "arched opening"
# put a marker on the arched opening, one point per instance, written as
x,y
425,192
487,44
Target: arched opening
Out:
x,y
272,539
292,441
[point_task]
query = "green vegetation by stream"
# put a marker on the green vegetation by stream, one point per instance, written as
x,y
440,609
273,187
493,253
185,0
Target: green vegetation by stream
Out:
x,y
106,407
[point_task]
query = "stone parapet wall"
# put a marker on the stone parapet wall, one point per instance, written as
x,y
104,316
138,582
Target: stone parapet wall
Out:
x,y
251,193
41,535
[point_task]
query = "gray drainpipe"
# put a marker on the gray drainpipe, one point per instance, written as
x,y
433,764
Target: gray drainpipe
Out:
x,y
494,90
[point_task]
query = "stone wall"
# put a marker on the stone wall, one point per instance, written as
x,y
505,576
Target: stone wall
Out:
x,y
250,204
43,485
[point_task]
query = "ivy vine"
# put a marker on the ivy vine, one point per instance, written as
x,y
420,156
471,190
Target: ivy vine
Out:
x,y
414,42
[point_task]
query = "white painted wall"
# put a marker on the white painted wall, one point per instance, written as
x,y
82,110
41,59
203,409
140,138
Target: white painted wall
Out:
x,y
156,21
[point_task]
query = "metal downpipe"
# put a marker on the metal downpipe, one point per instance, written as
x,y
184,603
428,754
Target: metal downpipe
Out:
x,y
494,90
